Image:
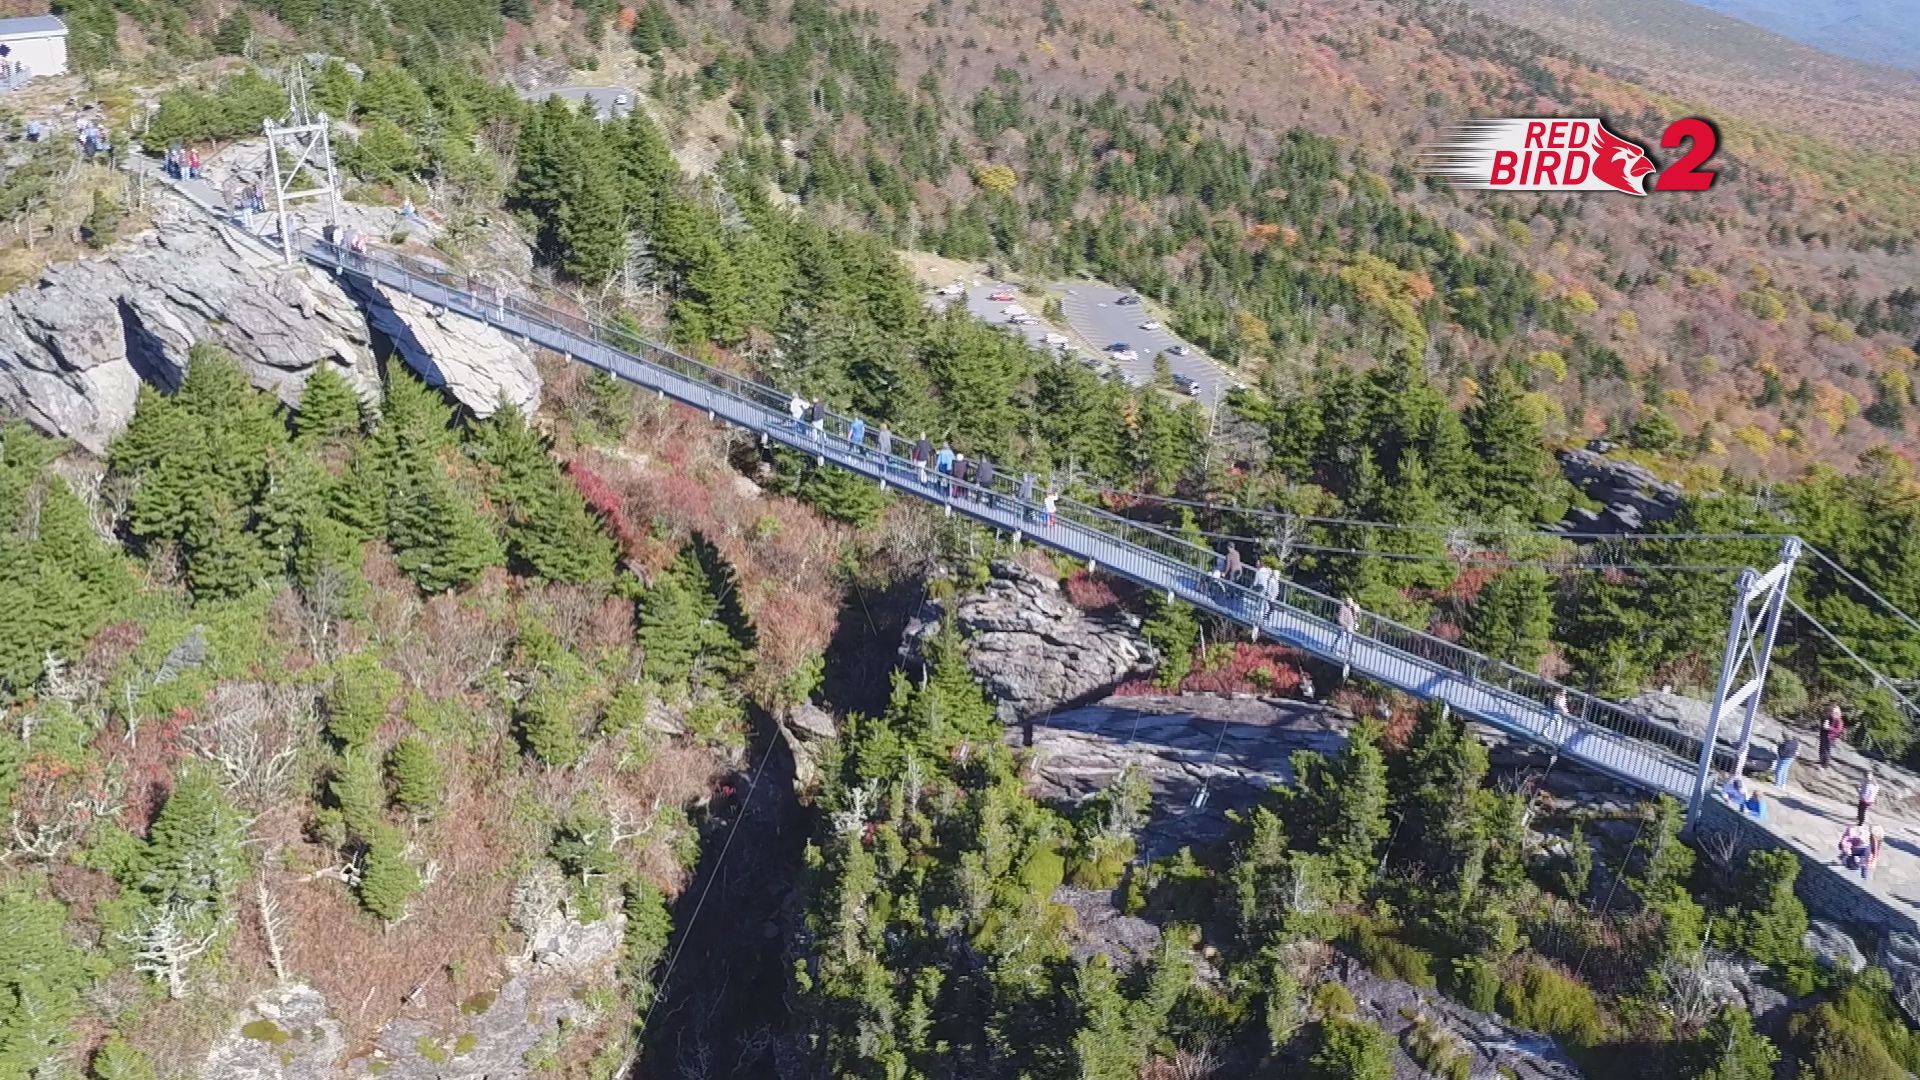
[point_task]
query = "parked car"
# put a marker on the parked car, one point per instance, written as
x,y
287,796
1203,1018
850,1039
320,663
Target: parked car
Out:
x,y
1001,297
1149,325
1178,350
1126,356
1021,320
1186,385
1118,347
620,101
1127,300
1013,309
1058,341
948,290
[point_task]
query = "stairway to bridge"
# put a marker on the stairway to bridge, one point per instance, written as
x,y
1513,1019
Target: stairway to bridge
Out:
x,y
1593,732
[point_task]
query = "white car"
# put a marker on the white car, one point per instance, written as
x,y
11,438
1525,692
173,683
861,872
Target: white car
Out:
x,y
1149,325
947,290
1013,309
1126,357
1058,341
620,101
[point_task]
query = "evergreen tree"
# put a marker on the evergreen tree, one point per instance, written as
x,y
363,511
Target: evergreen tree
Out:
x,y
358,793
329,409
680,628
193,856
549,528
116,1060
589,227
356,703
1171,628
224,559
712,304
1729,1049
387,880
1511,617
548,727
290,506
439,539
42,978
1105,1046
1351,1050
1513,475
414,774
1343,802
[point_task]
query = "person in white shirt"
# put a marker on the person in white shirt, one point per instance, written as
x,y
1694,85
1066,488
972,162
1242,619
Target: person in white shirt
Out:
x,y
1869,791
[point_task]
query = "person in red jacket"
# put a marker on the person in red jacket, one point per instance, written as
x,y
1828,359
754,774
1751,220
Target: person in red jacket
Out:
x,y
1830,733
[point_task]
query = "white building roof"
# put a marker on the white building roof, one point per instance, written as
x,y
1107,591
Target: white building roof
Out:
x,y
32,26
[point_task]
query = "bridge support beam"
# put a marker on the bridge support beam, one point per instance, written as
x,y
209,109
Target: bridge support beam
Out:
x,y
1746,629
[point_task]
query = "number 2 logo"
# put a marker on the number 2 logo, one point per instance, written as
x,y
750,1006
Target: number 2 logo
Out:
x,y
1686,174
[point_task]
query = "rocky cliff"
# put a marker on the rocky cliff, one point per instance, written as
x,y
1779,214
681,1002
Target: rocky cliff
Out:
x,y
1032,649
76,344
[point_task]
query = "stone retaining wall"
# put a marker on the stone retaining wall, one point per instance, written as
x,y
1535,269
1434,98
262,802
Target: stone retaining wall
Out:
x,y
1828,892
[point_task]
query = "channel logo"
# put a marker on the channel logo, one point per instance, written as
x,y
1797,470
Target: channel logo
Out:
x,y
1567,154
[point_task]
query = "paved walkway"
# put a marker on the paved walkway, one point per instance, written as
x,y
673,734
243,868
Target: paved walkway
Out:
x,y
1817,804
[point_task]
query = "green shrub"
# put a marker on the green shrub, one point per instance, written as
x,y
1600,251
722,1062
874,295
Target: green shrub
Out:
x,y
1476,983
1352,1050
1552,1003
356,704
1832,1047
1330,999
1438,1052
415,775
1390,958
1043,872
1101,864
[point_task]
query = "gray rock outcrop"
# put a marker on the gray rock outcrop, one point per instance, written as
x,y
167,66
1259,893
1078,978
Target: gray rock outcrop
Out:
x,y
286,1034
1630,497
1900,955
1030,646
1833,948
76,344
807,728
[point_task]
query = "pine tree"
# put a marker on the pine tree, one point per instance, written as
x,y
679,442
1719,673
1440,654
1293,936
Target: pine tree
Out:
x,y
550,530
116,1060
712,301
1729,1049
589,227
291,503
356,703
1104,1047
548,727
329,410
1512,617
1343,803
439,539
387,880
193,855
1514,476
647,169
42,978
223,558
357,791
414,774
681,629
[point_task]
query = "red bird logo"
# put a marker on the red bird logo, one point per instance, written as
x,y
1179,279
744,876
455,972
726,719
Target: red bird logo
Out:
x,y
1618,163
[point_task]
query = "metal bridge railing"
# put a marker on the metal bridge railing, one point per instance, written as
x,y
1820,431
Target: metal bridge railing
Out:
x,y
1147,553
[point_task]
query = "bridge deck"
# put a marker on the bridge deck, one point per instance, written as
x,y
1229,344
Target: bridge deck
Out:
x,y
1596,733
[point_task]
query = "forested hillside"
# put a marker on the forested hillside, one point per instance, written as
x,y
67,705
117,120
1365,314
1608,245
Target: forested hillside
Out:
x,y
362,693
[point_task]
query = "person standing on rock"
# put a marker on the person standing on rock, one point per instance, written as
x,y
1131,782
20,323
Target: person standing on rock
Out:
x,y
1830,733
1783,759
1869,791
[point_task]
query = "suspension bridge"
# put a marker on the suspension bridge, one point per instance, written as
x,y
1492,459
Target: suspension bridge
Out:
x,y
1585,729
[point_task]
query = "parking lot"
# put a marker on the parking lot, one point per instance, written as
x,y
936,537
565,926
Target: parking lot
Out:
x,y
1095,321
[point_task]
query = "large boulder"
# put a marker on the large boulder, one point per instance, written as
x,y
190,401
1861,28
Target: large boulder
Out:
x,y
1900,955
76,344
1034,650
287,1033
1630,497
1833,948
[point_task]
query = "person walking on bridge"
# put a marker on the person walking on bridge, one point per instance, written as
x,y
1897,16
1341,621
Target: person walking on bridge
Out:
x,y
943,462
1234,565
922,453
857,437
818,415
1051,504
961,473
1271,592
985,479
1261,575
1830,733
1349,619
797,410
1025,497
885,438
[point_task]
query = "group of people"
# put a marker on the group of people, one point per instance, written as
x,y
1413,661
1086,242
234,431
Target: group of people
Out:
x,y
94,141
951,471
1860,843
182,164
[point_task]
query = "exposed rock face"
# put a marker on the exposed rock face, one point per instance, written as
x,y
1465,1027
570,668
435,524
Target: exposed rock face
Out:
x,y
1233,749
1630,497
478,365
806,727
1492,1047
1833,947
75,345
1900,955
1033,649
288,1034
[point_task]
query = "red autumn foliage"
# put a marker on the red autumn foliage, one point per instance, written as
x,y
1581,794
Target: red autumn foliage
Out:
x,y
1237,669
1090,593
